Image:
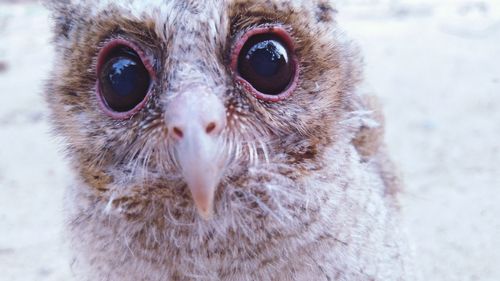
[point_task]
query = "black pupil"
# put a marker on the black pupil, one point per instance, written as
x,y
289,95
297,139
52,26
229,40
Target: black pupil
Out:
x,y
124,80
264,62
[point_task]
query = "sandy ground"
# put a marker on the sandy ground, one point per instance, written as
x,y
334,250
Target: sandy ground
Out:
x,y
436,66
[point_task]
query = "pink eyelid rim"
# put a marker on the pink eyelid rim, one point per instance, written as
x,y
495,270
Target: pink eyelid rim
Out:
x,y
110,46
283,35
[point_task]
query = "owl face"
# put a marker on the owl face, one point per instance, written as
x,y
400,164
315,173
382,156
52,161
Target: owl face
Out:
x,y
185,100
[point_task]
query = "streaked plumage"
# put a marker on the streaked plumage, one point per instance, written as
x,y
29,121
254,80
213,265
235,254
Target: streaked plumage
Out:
x,y
303,187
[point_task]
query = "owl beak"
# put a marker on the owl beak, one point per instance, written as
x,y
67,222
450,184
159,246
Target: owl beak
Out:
x,y
201,168
195,122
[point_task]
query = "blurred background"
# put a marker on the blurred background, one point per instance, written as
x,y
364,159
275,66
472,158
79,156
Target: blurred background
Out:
x,y
436,67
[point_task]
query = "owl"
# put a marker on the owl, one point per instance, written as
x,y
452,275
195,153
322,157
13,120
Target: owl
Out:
x,y
220,140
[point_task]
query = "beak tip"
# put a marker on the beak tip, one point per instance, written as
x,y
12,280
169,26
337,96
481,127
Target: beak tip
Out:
x,y
205,213
203,197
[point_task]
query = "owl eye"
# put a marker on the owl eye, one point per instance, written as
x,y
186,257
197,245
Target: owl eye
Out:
x,y
265,64
123,79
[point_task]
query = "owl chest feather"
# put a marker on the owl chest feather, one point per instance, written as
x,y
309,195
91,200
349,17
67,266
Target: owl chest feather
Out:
x,y
332,227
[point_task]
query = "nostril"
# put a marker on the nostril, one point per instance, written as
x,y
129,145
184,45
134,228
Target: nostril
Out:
x,y
211,127
178,132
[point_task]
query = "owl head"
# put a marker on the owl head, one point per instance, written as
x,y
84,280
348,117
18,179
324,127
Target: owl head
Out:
x,y
199,103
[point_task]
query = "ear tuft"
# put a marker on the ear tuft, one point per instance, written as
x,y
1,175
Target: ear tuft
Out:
x,y
63,15
325,11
